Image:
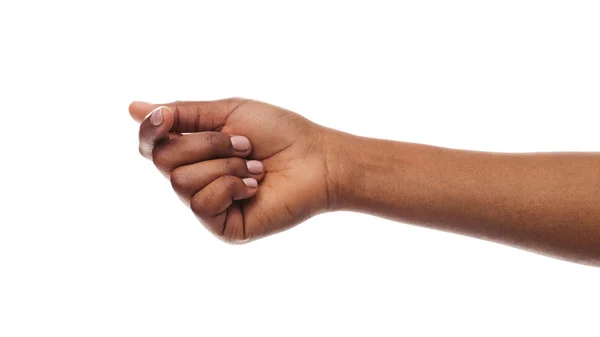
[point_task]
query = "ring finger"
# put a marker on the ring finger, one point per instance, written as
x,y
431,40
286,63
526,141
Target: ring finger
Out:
x,y
189,179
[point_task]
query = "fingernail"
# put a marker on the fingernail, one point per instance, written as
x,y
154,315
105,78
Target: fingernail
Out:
x,y
250,182
240,143
254,166
156,117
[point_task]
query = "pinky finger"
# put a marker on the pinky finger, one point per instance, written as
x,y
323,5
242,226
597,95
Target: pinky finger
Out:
x,y
210,204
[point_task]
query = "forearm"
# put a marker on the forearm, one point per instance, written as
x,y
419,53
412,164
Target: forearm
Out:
x,y
547,202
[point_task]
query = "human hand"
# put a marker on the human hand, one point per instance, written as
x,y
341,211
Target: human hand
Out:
x,y
191,143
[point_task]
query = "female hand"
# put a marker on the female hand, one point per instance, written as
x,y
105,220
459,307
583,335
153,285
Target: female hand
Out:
x,y
246,168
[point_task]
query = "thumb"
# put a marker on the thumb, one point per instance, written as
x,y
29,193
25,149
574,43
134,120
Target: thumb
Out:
x,y
154,128
140,110
193,116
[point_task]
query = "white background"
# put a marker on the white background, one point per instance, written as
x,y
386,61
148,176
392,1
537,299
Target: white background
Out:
x,y
94,243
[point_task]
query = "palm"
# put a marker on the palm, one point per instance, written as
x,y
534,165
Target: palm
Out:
x,y
294,186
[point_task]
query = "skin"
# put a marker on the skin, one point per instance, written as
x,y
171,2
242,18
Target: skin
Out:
x,y
542,202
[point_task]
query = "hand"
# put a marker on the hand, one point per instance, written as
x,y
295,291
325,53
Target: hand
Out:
x,y
237,200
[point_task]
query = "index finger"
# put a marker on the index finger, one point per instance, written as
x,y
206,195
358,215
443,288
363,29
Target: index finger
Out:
x,y
154,128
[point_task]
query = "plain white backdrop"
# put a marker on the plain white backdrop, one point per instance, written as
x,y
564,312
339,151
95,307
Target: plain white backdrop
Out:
x,y
93,242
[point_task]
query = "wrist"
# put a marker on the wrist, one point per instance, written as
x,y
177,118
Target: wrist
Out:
x,y
344,170
373,175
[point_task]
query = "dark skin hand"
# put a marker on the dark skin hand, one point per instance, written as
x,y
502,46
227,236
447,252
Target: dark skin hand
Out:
x,y
249,169
207,172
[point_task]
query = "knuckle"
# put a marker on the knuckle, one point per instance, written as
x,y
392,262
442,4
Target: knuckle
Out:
x,y
156,158
234,165
200,205
178,180
228,182
211,138
159,158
